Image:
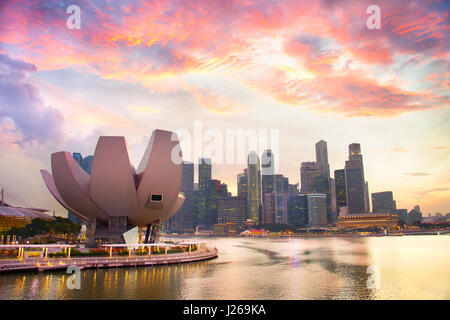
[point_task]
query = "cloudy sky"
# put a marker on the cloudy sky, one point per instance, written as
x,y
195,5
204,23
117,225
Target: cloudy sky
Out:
x,y
310,69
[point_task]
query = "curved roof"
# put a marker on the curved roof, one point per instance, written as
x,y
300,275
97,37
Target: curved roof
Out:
x,y
24,212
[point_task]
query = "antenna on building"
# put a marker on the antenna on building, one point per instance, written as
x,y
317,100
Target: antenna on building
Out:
x,y
53,213
3,196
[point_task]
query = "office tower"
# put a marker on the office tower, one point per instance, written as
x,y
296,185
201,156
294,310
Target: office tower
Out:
x,y
334,211
281,191
366,197
254,187
232,210
341,195
183,219
417,208
354,179
224,191
322,158
267,163
204,178
309,171
354,152
242,184
195,204
298,211
293,190
268,215
218,191
317,210
383,202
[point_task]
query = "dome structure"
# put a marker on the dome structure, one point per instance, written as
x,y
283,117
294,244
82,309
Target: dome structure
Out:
x,y
114,189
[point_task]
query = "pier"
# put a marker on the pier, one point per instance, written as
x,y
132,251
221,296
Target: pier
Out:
x,y
41,264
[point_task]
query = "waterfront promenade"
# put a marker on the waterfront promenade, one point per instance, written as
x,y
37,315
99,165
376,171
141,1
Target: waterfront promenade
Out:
x,y
44,264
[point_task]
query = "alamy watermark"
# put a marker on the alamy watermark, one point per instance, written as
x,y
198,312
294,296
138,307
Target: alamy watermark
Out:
x,y
74,281
225,146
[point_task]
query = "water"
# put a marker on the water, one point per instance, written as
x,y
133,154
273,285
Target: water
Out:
x,y
408,267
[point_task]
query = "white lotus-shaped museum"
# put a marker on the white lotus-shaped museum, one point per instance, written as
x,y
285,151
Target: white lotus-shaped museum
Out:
x,y
114,188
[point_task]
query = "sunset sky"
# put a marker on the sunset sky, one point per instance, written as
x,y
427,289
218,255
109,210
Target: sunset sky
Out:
x,y
311,69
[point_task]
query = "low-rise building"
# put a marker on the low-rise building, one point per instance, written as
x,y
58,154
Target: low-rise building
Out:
x,y
367,220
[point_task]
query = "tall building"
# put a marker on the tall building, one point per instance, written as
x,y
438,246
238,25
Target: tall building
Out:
x,y
232,210
383,202
298,210
334,211
309,171
268,215
354,179
267,163
322,158
218,191
341,195
293,190
281,192
317,210
366,197
204,178
242,184
183,219
195,204
254,187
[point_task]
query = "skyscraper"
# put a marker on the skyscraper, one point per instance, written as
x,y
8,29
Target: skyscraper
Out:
x,y
298,210
218,191
341,195
317,210
354,179
322,158
254,187
309,171
242,184
183,219
281,191
204,178
232,210
383,202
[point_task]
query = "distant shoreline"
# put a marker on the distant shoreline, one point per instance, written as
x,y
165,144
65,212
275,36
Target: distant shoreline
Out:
x,y
416,233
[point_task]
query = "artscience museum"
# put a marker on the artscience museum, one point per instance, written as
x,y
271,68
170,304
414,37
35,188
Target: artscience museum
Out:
x,y
116,197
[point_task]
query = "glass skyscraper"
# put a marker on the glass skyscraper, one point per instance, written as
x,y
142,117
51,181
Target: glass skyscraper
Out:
x,y
354,179
254,187
341,195
204,178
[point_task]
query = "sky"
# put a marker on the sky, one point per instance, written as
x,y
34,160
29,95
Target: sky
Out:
x,y
309,70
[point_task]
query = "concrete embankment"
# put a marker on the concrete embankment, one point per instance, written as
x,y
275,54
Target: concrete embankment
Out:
x,y
39,264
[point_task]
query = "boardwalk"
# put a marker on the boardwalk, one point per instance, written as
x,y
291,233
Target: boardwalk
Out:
x,y
42,264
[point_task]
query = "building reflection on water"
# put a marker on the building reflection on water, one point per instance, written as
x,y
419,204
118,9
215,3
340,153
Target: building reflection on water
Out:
x,y
326,268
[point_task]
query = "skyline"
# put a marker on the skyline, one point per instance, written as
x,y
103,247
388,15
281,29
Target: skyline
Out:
x,y
311,70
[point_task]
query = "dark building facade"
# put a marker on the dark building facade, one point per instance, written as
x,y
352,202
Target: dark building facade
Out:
x,y
309,171
341,195
383,202
355,183
204,180
183,219
232,210
298,210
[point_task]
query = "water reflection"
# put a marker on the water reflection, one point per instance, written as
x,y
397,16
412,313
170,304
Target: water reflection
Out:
x,y
320,268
